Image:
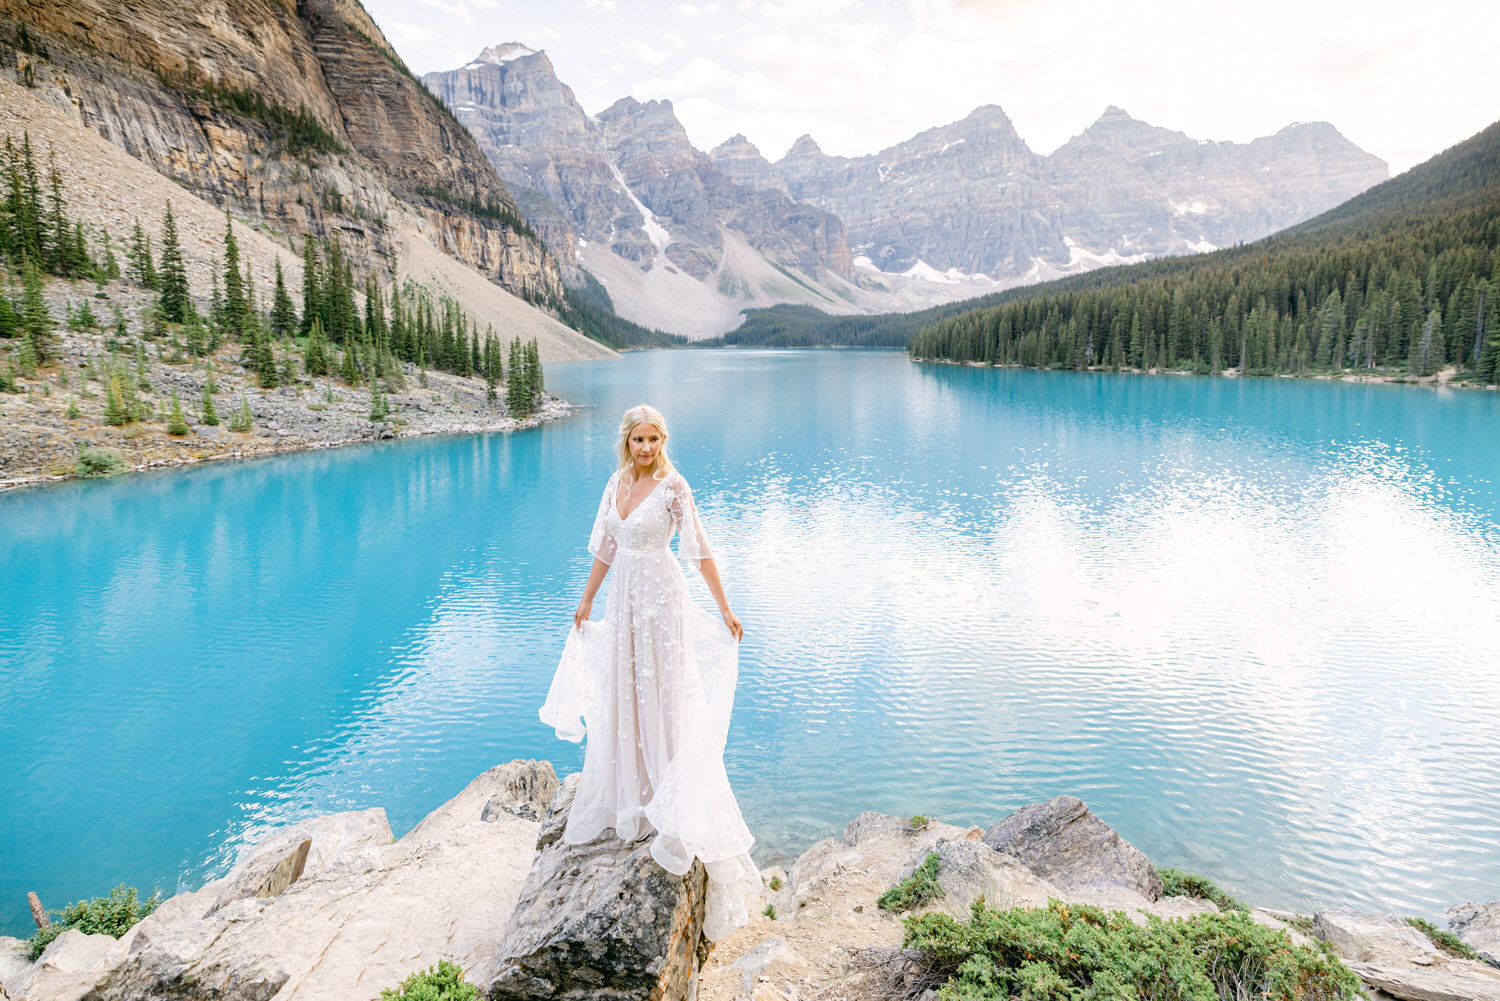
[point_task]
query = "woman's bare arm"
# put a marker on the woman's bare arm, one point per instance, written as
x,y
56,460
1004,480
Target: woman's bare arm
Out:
x,y
586,604
710,571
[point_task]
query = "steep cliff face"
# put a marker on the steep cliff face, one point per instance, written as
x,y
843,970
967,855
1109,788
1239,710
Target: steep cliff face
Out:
x,y
301,115
972,197
550,153
628,179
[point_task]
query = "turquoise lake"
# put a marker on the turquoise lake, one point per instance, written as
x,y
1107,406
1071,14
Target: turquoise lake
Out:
x,y
1254,624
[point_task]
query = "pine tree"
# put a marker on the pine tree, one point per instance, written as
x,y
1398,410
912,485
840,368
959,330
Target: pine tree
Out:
x,y
36,319
10,323
534,376
176,423
283,313
379,408
172,275
242,420
315,358
311,299
349,370
116,413
515,389
210,414
235,305
140,267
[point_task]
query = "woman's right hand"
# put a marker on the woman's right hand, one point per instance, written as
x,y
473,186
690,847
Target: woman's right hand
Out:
x,y
582,613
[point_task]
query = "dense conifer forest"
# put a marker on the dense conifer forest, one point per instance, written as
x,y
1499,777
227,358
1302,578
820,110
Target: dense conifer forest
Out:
x,y
1401,280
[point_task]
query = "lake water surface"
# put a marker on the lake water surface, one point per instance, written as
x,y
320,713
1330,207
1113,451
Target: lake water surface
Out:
x,y
1254,624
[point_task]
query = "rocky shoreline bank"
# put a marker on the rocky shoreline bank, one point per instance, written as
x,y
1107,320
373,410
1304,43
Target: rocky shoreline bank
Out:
x,y
59,412
334,908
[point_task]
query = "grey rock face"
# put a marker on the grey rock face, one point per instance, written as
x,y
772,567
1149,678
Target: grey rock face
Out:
x,y
1391,955
601,920
1479,926
365,913
578,177
972,196
1371,938
1065,844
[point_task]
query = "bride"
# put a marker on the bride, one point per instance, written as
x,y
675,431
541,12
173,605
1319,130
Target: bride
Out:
x,y
652,683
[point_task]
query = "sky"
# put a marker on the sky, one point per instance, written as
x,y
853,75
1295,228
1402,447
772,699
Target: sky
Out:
x,y
1401,80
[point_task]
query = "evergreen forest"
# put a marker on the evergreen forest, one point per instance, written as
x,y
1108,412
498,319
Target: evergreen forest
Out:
x,y
1399,281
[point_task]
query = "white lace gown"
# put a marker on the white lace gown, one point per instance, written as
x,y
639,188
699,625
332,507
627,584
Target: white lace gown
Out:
x,y
652,686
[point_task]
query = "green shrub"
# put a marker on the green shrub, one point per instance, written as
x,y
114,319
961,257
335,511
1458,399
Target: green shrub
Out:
x,y
918,822
1444,940
99,462
1176,883
1067,952
776,884
921,887
111,915
443,982
770,911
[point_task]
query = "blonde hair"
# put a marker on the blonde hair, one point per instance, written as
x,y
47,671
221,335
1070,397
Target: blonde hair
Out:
x,y
634,417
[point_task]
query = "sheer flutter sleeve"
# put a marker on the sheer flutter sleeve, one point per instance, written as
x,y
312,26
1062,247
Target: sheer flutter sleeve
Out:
x,y
601,540
692,544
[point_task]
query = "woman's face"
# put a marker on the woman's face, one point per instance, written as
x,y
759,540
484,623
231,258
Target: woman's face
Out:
x,y
645,441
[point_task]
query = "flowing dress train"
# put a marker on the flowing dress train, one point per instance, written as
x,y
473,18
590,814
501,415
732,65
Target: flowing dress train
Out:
x,y
652,686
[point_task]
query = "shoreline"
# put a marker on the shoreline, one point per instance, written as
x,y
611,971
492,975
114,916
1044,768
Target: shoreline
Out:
x,y
1439,380
57,411
553,409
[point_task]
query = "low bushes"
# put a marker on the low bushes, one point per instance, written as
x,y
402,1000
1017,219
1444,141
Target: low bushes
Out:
x,y
1176,883
111,915
921,887
1067,952
443,982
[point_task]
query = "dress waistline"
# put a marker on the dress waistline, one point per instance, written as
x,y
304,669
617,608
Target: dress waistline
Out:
x,y
641,552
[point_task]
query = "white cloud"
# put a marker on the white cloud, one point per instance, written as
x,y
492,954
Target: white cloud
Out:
x,y
647,54
600,6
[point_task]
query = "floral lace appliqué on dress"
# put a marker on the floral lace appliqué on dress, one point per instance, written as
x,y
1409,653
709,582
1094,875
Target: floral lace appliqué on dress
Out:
x,y
652,686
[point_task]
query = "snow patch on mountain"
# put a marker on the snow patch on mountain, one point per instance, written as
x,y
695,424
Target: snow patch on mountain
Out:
x,y
655,231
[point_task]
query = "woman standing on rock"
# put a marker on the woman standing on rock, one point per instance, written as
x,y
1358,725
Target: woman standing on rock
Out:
x,y
652,683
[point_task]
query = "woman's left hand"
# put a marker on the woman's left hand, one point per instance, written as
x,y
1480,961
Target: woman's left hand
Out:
x,y
730,620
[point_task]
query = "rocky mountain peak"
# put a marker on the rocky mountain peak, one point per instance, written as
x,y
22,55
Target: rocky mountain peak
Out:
x,y
742,163
499,54
805,147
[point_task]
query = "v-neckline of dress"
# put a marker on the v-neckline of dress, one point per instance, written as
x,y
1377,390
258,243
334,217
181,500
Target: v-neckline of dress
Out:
x,y
651,493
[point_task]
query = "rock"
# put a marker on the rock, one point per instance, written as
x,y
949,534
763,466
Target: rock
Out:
x,y
1065,844
13,964
269,873
772,960
365,914
1479,926
515,789
601,920
72,964
1454,980
969,870
871,823
1371,938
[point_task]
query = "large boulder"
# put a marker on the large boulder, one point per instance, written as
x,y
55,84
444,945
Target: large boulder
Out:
x,y
600,920
1390,955
364,914
1479,926
1065,844
1372,938
72,963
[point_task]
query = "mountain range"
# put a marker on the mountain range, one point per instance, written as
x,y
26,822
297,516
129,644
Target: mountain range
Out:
x,y
686,241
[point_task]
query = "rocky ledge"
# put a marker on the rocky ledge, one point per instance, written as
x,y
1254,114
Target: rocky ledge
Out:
x,y
335,908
